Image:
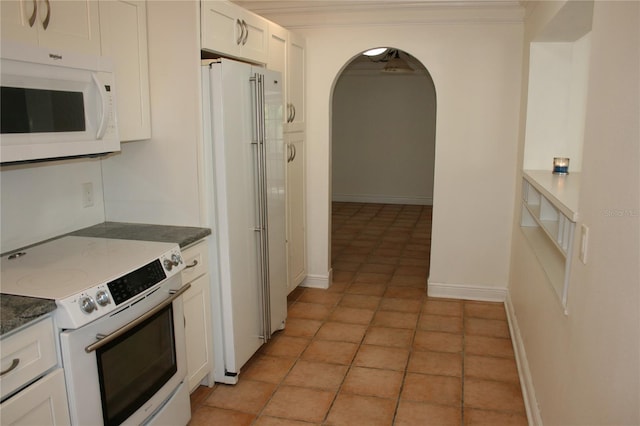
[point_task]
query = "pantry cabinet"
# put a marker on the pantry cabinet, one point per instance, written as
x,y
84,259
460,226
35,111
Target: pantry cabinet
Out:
x,y
30,378
230,30
296,217
287,55
123,24
197,314
66,25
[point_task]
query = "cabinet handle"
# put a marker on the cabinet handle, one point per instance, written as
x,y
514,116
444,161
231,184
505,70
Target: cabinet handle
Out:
x,y
246,32
32,19
293,148
293,108
239,24
193,265
289,113
45,23
12,367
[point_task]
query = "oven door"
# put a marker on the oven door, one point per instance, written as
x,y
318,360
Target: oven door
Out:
x,y
123,368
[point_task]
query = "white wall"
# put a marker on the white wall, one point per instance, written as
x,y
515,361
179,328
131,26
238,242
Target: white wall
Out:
x,y
476,72
157,181
383,139
44,200
585,367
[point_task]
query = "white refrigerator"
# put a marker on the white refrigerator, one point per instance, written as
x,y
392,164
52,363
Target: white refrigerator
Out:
x,y
245,187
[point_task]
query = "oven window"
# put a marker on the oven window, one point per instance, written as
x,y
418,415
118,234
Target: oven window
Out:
x,y
135,366
41,111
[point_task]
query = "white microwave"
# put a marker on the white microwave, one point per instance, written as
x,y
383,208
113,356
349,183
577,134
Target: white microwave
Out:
x,y
55,105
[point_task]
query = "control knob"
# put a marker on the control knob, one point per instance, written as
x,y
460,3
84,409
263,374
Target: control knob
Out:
x,y
87,304
102,297
174,261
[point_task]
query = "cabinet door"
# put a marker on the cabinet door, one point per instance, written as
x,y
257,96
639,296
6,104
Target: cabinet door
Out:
x,y
296,220
72,25
255,44
18,21
197,316
277,59
296,82
221,27
43,403
123,24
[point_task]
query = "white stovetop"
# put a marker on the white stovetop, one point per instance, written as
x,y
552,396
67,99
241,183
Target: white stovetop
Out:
x,y
67,266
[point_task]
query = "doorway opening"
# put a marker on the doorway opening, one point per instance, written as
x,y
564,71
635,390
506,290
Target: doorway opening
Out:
x,y
383,154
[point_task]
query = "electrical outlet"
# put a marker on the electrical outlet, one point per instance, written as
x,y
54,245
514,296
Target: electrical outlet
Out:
x,y
584,242
87,194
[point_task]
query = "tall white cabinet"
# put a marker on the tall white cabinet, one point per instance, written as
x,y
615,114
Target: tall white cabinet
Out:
x,y
287,55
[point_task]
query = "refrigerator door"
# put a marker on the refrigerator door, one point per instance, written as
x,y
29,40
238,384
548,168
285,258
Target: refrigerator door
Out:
x,y
246,209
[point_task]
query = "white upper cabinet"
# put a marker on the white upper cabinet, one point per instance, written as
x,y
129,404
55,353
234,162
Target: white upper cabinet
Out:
x,y
67,25
123,24
233,31
286,54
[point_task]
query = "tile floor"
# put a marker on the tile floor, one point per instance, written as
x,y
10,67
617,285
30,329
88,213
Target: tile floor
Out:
x,y
374,349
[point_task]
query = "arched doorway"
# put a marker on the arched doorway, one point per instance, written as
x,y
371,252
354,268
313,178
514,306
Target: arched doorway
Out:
x,y
382,166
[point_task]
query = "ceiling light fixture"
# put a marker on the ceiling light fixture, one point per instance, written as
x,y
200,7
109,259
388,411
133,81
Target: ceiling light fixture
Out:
x,y
375,52
397,65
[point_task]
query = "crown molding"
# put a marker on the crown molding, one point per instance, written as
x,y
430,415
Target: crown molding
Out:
x,y
320,13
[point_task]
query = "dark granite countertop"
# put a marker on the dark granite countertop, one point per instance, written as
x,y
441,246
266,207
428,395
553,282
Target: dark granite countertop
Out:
x,y
16,311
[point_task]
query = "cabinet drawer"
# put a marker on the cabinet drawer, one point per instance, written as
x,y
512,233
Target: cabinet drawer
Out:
x,y
34,349
196,259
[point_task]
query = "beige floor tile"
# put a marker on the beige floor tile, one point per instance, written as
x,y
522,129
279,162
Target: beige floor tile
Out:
x,y
437,342
316,375
492,395
491,368
212,416
443,307
353,410
248,396
486,327
487,310
338,287
411,413
351,315
341,332
433,389
373,382
404,292
314,311
489,346
360,301
300,327
265,368
437,363
199,395
296,403
395,319
322,297
384,336
381,357
473,417
447,324
285,346
366,289
330,352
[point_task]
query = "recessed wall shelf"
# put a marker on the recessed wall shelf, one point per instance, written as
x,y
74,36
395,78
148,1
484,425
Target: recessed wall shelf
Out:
x,y
549,215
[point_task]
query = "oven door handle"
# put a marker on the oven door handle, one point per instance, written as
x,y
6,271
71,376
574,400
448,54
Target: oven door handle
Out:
x,y
103,340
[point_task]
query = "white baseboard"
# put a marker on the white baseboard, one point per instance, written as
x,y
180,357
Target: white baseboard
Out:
x,y
382,199
318,281
468,292
526,382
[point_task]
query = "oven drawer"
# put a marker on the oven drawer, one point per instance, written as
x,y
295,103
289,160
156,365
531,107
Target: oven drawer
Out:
x,y
196,260
26,355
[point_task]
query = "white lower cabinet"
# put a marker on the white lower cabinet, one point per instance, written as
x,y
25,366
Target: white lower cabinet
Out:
x,y
43,403
197,313
29,368
296,220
